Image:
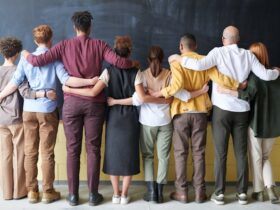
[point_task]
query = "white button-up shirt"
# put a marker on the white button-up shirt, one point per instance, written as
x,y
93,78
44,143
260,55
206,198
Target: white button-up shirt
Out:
x,y
236,63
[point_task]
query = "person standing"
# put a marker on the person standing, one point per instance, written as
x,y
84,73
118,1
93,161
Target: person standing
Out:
x,y
230,114
40,116
264,121
190,119
82,56
122,139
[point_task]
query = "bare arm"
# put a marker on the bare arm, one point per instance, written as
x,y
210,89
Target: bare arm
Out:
x,y
91,92
148,98
126,101
224,90
8,90
80,82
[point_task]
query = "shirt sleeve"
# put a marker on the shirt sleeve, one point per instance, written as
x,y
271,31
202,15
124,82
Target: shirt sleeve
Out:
x,y
25,91
261,72
61,73
139,78
19,75
50,56
250,92
135,100
183,95
205,63
105,77
177,81
111,57
222,79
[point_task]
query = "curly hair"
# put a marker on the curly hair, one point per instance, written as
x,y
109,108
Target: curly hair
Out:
x,y
10,46
123,45
42,34
82,21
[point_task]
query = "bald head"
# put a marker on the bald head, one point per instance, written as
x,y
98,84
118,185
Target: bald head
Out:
x,y
230,35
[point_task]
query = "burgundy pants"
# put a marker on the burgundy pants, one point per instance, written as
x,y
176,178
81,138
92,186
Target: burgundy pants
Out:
x,y
79,113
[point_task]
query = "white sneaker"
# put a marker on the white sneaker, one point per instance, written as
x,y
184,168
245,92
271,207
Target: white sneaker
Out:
x,y
218,199
242,198
116,199
125,200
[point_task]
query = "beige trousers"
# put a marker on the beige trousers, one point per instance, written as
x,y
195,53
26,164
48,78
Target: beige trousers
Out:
x,y
259,151
12,161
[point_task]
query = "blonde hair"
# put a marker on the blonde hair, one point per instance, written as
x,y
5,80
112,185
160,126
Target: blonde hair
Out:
x,y
42,34
260,51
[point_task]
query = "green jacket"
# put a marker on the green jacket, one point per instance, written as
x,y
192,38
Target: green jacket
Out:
x,y
264,98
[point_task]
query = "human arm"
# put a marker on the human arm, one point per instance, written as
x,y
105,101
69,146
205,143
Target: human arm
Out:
x,y
67,80
50,56
111,57
261,72
126,101
222,79
196,64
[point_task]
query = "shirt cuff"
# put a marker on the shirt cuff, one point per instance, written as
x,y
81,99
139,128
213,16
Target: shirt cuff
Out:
x,y
183,95
64,79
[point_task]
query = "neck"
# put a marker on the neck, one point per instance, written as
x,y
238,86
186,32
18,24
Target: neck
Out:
x,y
81,33
186,51
9,62
44,45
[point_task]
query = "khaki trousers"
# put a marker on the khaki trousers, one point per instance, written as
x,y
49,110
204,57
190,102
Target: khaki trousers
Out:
x,y
12,158
190,130
259,151
161,137
40,129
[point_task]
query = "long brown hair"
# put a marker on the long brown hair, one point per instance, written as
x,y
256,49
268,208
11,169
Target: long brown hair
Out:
x,y
260,51
155,59
123,45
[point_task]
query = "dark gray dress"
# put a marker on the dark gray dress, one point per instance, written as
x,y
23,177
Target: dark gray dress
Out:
x,y
122,126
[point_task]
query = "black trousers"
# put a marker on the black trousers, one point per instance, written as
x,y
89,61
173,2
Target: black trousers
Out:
x,y
225,123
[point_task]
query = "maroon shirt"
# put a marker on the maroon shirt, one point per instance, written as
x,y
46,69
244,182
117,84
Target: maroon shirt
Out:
x,y
82,57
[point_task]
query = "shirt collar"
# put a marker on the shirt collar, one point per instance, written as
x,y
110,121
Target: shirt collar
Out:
x,y
42,49
189,54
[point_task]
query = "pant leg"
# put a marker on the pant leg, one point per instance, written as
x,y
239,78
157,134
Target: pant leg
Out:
x,y
240,136
94,115
256,163
221,127
6,162
73,121
163,151
148,136
18,161
198,141
267,145
48,124
181,135
31,149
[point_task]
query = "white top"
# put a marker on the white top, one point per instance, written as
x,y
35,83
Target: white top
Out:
x,y
236,63
105,77
152,114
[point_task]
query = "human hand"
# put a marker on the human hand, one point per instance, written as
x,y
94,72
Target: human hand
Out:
x,y
174,57
51,94
169,100
66,89
136,64
222,90
243,85
25,53
111,101
205,88
94,80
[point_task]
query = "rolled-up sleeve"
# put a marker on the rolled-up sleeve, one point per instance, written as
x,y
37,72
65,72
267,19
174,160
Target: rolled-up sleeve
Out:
x,y
61,73
136,100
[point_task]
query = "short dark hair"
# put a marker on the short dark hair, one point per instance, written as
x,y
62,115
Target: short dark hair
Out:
x,y
82,21
10,46
189,41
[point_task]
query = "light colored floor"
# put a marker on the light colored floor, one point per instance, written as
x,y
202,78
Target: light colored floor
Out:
x,y
136,192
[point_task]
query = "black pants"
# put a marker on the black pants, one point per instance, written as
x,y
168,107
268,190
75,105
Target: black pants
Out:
x,y
225,123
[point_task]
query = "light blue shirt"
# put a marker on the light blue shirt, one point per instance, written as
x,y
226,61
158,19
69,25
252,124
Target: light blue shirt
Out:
x,y
40,78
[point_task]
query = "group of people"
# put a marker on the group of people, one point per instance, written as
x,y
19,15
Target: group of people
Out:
x,y
147,109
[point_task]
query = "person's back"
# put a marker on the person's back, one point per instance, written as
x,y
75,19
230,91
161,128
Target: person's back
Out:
x,y
153,114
